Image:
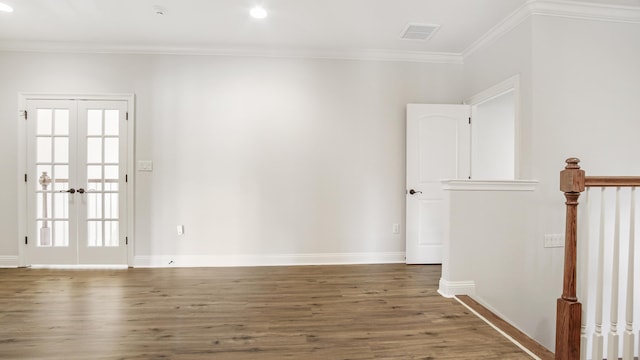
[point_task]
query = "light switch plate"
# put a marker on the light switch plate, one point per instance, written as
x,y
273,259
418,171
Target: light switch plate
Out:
x,y
144,165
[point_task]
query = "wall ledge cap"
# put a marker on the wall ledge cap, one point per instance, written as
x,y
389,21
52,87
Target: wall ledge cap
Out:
x,y
489,185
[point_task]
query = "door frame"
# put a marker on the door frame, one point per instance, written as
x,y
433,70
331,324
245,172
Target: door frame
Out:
x,y
511,84
22,163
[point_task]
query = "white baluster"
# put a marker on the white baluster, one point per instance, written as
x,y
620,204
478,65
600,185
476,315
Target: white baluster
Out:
x,y
598,347
612,341
583,273
628,339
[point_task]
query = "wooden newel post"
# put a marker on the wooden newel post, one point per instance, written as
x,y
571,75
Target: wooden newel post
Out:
x,y
569,310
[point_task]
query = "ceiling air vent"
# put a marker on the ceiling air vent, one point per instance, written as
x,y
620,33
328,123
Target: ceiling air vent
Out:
x,y
419,31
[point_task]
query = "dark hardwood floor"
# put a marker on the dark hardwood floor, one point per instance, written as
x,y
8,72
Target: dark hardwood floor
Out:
x,y
307,312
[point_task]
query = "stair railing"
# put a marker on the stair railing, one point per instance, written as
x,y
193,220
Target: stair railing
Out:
x,y
571,327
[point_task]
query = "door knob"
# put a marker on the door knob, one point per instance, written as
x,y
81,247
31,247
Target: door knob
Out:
x,y
413,192
81,191
72,190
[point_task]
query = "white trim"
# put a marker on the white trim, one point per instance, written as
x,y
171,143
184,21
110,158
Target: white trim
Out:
x,y
75,96
450,289
131,157
268,260
511,84
497,31
489,185
9,262
80,267
22,161
22,185
558,8
505,86
585,11
518,344
337,54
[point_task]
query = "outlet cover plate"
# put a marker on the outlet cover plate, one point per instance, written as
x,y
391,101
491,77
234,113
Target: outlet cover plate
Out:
x,y
553,240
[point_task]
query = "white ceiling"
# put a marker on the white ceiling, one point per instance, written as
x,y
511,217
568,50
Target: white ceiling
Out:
x,y
291,24
312,25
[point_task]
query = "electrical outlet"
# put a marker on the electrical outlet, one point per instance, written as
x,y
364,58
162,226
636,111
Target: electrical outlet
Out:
x,y
180,229
553,240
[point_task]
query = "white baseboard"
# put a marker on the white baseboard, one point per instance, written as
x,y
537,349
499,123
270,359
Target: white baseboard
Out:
x,y
450,289
8,261
80,267
267,260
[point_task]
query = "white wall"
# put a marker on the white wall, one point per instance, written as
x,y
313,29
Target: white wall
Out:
x,y
485,225
62,73
261,159
586,94
533,313
579,97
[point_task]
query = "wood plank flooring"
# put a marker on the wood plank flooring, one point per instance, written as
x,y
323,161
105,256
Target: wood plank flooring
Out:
x,y
508,329
309,312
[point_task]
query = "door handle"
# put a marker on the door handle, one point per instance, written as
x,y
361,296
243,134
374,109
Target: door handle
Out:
x,y
413,192
72,191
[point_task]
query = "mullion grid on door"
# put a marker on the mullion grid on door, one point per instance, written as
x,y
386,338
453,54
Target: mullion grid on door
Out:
x,y
52,157
102,211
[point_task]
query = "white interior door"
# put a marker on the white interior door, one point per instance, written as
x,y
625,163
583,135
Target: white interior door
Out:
x,y
76,174
438,148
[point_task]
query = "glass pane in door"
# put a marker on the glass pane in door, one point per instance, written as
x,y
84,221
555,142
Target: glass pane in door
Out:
x,y
102,160
52,171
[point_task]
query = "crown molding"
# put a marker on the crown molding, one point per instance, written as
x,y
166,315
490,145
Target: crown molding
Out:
x,y
334,54
558,8
501,28
586,11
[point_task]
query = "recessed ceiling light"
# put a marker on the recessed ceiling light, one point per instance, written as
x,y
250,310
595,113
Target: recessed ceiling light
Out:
x,y
5,8
258,12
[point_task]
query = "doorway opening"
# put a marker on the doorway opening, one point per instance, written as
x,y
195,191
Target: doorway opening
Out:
x,y
494,128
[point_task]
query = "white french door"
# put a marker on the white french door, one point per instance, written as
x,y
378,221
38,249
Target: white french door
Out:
x,y
76,182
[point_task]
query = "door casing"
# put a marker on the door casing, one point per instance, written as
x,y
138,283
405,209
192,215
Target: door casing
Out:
x,y
22,164
510,85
